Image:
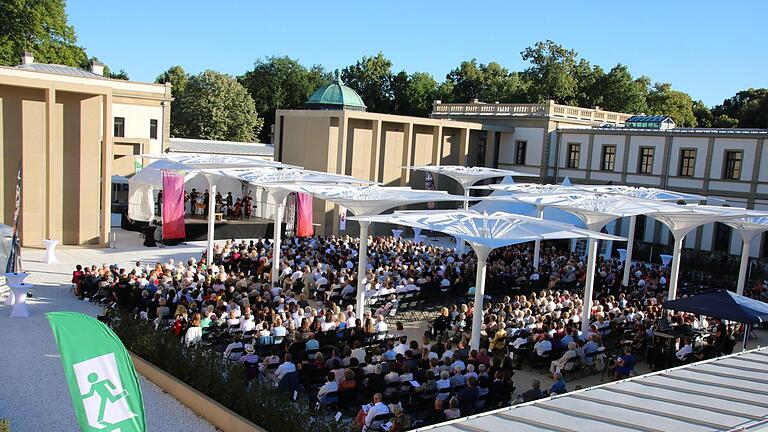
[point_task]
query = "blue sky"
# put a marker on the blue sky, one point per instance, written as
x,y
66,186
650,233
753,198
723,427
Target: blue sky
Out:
x,y
710,49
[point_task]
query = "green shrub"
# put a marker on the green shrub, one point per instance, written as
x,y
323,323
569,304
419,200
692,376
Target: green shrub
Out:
x,y
225,382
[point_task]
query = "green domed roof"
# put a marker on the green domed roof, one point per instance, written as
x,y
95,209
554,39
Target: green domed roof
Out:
x,y
336,96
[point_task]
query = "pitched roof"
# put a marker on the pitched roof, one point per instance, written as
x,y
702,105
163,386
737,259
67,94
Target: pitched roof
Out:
x,y
189,145
60,70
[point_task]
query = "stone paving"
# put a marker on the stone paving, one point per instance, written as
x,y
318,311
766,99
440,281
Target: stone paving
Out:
x,y
33,390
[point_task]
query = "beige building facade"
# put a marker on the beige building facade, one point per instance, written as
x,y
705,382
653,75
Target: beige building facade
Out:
x,y
72,129
376,147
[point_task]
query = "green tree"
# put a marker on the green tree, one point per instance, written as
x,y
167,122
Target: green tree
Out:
x,y
552,72
371,78
676,104
178,77
703,114
281,82
487,82
39,26
588,82
215,106
749,107
618,91
723,121
413,94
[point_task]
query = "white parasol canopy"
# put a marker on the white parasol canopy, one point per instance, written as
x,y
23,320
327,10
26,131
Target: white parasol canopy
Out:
x,y
486,232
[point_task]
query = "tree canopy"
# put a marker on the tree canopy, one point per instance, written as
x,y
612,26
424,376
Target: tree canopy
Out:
x,y
281,82
215,106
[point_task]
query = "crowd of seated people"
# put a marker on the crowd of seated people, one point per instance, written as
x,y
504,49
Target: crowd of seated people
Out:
x,y
301,332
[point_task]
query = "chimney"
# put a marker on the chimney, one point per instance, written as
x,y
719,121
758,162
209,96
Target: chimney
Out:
x,y
97,68
27,58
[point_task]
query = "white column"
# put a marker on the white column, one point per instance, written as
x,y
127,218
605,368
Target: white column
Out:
x,y
477,317
537,243
743,265
466,197
589,285
674,271
630,245
211,217
362,268
276,237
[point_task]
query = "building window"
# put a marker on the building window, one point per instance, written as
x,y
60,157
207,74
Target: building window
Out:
x,y
687,162
574,154
609,158
153,129
646,160
732,165
722,240
119,127
520,152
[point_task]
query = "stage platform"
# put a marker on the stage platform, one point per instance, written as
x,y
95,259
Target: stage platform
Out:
x,y
197,229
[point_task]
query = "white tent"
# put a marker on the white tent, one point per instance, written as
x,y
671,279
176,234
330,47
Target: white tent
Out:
x,y
486,232
141,199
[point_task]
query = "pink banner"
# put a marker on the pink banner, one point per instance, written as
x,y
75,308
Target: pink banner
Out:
x,y
304,226
173,205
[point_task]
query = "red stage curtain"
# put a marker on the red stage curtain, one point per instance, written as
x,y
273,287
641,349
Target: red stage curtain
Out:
x,y
304,226
173,205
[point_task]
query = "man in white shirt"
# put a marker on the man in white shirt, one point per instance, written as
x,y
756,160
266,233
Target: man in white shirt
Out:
x,y
285,368
380,325
377,409
329,387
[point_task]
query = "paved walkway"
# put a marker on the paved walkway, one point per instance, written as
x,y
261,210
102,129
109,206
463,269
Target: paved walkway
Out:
x,y
33,390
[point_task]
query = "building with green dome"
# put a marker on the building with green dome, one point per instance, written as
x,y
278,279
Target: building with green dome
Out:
x,y
335,96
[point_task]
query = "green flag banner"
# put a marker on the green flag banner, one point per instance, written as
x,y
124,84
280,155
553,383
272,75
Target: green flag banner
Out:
x,y
102,381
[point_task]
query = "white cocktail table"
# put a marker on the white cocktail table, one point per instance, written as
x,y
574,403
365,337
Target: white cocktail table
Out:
x,y
50,251
20,300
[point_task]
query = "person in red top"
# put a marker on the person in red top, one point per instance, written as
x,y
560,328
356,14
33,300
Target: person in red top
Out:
x,y
77,275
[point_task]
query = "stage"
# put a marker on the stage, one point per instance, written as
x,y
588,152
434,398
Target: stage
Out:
x,y
197,229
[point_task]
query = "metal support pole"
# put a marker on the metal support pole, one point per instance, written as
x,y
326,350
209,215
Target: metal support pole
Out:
x,y
589,285
630,245
211,218
743,266
477,317
537,243
276,237
362,269
674,271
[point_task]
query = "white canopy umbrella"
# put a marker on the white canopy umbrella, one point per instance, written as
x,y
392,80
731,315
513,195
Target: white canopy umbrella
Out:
x,y
195,163
596,211
486,232
467,177
539,195
680,224
747,228
274,181
649,193
368,201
